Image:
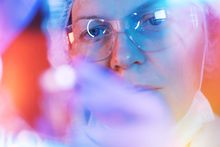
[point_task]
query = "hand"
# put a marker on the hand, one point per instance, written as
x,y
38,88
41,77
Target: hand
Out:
x,y
121,116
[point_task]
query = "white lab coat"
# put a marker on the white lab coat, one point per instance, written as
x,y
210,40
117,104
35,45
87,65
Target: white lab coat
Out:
x,y
200,127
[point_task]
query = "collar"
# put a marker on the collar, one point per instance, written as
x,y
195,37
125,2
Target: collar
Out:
x,y
200,113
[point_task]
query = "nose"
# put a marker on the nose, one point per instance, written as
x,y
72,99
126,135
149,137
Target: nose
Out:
x,y
125,54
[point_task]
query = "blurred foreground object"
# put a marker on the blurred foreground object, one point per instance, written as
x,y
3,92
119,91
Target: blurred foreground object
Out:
x,y
24,58
24,61
100,109
14,17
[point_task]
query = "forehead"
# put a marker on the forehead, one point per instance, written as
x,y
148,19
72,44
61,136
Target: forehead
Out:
x,y
114,9
111,8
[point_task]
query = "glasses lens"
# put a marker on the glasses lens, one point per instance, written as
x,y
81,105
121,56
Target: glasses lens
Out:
x,y
94,40
158,29
148,30
152,30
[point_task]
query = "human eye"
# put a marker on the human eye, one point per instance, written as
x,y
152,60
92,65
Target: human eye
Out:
x,y
96,30
152,21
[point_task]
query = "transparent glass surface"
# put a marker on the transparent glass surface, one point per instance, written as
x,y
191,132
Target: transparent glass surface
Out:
x,y
149,30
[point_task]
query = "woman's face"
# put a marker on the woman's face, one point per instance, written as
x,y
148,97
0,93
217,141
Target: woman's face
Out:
x,y
155,45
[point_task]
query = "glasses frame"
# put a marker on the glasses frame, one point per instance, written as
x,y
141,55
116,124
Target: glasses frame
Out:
x,y
117,27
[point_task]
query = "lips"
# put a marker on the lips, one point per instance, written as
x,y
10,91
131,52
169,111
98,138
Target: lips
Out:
x,y
146,88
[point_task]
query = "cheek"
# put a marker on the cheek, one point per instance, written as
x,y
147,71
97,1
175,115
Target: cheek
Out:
x,y
185,48
186,59
181,67
181,62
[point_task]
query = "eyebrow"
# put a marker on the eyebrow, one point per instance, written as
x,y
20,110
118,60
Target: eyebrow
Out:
x,y
89,17
149,4
145,5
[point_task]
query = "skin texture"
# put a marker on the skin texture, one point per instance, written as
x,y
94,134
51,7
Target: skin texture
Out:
x,y
175,71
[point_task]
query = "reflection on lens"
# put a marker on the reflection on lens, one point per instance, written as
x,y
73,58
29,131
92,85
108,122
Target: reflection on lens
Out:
x,y
96,42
